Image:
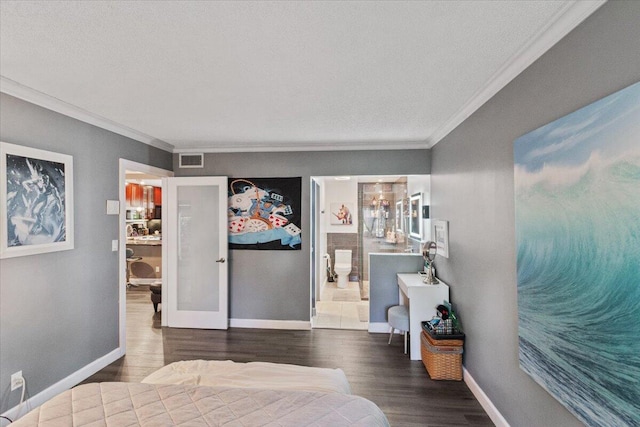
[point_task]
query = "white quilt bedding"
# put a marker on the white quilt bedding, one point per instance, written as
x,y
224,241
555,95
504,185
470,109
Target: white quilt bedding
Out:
x,y
274,376
135,404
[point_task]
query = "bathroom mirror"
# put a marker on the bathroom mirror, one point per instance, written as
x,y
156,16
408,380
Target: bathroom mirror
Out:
x,y
399,216
415,216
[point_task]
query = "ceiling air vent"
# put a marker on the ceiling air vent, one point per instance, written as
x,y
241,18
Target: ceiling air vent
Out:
x,y
192,160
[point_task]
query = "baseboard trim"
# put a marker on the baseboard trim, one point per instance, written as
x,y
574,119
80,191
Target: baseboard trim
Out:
x,y
484,400
65,383
379,327
270,324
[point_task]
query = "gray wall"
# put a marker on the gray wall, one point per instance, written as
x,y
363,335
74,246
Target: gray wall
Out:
x,y
383,285
59,311
274,285
472,187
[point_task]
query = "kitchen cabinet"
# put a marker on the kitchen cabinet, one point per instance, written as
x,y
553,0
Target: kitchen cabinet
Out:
x,y
143,199
134,195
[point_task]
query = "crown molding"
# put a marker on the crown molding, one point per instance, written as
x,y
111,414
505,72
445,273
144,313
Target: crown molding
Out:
x,y
13,88
301,146
565,20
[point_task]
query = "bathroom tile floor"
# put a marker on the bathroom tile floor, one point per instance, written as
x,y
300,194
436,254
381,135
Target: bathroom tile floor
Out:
x,y
341,308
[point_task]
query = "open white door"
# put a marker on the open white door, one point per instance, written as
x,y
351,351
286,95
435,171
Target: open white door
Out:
x,y
195,232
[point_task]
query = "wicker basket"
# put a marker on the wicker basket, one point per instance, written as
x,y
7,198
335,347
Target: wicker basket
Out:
x,y
442,358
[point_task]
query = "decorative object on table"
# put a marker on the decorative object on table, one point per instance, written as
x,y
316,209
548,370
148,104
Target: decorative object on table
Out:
x,y
441,236
457,328
445,322
443,312
577,193
429,251
431,327
265,213
36,201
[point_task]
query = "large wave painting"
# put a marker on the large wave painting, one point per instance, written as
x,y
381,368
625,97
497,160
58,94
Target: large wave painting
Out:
x,y
577,195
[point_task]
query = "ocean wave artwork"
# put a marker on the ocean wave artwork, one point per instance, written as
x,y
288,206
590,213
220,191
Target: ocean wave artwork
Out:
x,y
577,196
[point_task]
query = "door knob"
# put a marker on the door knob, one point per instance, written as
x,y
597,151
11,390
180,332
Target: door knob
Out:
x,y
220,260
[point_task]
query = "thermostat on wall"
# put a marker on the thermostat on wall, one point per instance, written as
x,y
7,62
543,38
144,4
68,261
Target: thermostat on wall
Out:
x,y
113,207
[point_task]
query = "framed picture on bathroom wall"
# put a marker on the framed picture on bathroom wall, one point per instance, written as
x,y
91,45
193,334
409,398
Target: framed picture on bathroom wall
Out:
x,y
36,201
415,216
341,213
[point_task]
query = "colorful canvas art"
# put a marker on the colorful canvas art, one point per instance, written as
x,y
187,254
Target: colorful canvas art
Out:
x,y
264,213
577,193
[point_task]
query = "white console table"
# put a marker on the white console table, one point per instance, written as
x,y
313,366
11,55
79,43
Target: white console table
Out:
x,y
422,300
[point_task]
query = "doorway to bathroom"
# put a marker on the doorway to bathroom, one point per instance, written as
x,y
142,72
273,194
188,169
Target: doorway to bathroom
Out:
x,y
353,216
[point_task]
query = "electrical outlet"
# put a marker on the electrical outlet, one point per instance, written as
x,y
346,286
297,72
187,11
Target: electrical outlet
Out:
x,y
157,269
17,380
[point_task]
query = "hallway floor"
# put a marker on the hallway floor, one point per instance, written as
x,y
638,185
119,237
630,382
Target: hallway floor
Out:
x,y
341,308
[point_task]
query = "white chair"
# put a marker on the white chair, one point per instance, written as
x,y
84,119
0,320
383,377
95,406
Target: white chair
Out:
x,y
398,317
130,259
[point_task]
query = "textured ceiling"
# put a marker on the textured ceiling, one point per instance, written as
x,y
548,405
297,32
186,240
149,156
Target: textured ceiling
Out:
x,y
236,76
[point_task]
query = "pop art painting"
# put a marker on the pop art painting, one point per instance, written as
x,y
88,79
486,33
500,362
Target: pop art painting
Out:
x,y
264,213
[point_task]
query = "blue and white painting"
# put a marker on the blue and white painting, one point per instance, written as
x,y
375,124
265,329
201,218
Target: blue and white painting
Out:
x,y
577,195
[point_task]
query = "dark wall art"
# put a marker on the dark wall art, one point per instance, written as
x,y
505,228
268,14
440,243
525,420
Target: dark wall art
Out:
x,y
36,196
264,213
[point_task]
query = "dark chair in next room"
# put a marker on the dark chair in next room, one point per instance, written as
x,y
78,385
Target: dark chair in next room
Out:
x,y
156,295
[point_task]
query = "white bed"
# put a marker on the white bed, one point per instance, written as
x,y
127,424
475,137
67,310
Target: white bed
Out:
x,y
214,393
276,376
154,405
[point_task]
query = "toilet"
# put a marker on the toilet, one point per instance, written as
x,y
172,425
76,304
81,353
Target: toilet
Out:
x,y
342,266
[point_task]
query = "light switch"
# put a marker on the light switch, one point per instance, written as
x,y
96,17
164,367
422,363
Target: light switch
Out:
x,y
113,207
114,246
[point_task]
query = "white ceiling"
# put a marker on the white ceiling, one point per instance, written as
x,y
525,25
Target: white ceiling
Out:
x,y
274,75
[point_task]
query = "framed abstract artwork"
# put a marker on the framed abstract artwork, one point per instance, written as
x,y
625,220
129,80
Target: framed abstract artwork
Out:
x,y
577,216
36,201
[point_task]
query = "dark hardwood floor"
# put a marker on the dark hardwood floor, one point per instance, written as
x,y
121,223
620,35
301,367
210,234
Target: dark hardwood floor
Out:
x,y
379,372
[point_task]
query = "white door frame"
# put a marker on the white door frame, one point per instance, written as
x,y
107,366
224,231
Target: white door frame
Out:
x,y
125,165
